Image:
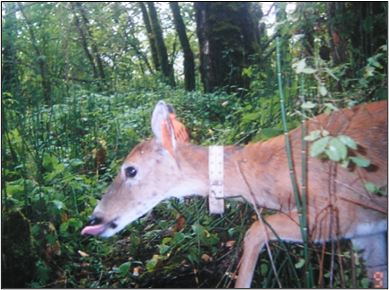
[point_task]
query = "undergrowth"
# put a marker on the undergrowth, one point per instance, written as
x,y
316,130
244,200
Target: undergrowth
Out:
x,y
58,160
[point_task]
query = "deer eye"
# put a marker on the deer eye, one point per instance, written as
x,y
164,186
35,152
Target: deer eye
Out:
x,y
130,171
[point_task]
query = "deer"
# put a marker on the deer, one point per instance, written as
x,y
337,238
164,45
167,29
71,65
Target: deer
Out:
x,y
338,205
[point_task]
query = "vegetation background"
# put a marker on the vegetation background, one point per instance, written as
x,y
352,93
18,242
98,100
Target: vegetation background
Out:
x,y
79,82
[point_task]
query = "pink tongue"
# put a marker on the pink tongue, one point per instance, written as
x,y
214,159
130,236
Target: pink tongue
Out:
x,y
92,230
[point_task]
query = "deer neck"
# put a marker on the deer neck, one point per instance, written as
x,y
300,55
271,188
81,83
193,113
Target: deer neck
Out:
x,y
245,171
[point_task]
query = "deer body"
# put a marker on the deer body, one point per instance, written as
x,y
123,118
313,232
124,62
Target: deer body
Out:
x,y
338,205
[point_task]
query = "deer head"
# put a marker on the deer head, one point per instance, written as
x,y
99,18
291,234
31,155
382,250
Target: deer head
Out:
x,y
149,174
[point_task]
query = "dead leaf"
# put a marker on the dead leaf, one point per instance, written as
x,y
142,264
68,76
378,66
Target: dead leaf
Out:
x,y
206,257
230,244
82,254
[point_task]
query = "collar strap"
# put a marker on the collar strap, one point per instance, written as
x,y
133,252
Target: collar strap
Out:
x,y
216,179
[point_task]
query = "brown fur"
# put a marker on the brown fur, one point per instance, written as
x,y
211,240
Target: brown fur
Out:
x,y
338,205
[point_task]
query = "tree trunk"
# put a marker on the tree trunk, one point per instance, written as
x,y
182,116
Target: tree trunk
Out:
x,y
167,69
94,45
189,66
228,35
153,47
84,42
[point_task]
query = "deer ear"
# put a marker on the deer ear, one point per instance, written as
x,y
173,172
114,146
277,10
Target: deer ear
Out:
x,y
179,128
162,127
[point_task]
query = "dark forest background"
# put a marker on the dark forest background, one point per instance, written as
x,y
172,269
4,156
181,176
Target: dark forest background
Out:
x,y
79,82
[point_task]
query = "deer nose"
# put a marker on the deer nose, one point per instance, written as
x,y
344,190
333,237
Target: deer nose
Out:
x,y
93,221
95,227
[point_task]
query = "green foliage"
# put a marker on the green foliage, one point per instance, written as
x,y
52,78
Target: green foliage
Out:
x,y
58,177
376,189
60,154
334,148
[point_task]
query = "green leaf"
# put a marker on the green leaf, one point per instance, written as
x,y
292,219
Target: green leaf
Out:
x,y
374,62
250,117
192,258
327,70
369,71
213,239
58,204
14,188
166,240
75,223
336,150
76,162
313,135
365,282
198,229
68,178
319,146
179,238
362,82
232,231
193,255
270,132
49,177
264,268
247,71
92,201
331,107
300,263
345,162
59,168
163,249
150,265
361,161
308,70
371,187
125,267
348,141
299,66
322,90
49,161
42,272
308,105
64,227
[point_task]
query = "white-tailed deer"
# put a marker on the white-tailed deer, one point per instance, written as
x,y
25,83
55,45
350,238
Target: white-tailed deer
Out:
x,y
338,204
